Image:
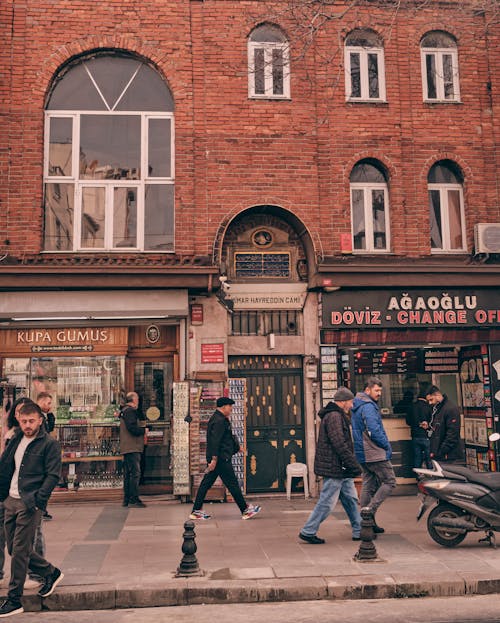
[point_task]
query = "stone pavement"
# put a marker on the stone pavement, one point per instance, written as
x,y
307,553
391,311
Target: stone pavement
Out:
x,y
115,557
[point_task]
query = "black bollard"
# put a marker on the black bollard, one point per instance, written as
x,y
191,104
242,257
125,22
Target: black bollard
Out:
x,y
189,563
367,550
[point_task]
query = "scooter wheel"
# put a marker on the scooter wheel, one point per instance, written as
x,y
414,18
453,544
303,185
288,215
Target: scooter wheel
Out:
x,y
447,537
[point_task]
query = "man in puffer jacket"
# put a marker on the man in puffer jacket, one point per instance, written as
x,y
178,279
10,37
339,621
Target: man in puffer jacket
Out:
x,y
372,448
335,461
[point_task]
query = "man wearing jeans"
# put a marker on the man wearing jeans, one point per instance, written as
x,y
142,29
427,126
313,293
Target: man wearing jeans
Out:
x,y
132,447
372,448
335,461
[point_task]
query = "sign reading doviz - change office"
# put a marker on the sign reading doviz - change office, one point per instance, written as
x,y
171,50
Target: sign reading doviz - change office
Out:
x,y
411,308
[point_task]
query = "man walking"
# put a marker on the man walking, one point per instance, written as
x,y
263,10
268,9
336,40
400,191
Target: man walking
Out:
x,y
44,401
418,420
335,461
29,471
132,447
372,448
444,425
221,445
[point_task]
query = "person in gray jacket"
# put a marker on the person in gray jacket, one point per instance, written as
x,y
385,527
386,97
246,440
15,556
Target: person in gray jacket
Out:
x,y
132,447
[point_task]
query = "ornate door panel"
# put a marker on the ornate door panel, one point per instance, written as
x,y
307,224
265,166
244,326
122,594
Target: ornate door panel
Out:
x,y
274,427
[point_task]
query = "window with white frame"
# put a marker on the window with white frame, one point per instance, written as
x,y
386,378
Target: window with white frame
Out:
x,y
268,63
364,67
109,158
439,67
369,208
446,201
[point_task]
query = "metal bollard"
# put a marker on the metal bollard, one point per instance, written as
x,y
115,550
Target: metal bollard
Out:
x,y
367,550
189,563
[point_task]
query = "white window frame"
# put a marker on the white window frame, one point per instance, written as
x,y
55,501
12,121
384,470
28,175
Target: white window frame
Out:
x,y
438,54
445,217
368,216
363,70
109,185
268,48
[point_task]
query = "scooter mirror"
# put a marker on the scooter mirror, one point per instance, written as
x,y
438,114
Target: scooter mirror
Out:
x,y
494,437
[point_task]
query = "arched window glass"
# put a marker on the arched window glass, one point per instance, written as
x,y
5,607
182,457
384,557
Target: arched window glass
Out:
x,y
446,202
109,170
268,63
369,208
439,58
364,66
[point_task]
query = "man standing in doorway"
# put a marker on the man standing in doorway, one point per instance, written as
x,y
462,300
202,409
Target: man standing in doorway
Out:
x,y
336,463
29,471
372,448
418,420
132,447
444,426
221,445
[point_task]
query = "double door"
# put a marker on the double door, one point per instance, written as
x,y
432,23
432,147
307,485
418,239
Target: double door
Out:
x,y
275,418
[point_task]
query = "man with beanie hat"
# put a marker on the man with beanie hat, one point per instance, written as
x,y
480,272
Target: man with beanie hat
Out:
x,y
221,445
335,461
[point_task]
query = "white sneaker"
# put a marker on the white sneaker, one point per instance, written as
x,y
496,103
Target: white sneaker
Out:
x,y
251,511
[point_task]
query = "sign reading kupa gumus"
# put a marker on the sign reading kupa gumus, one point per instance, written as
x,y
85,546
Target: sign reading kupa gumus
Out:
x,y
411,308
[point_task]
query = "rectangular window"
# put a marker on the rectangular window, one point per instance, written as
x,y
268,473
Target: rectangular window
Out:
x,y
379,221
447,219
93,220
455,218
259,67
440,75
373,87
430,64
449,92
364,74
358,219
355,75
280,322
59,216
60,147
436,226
370,223
269,71
262,265
159,217
159,147
125,217
278,69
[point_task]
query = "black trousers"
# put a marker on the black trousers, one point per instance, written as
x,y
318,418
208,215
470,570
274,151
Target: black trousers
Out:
x,y
131,476
225,470
20,526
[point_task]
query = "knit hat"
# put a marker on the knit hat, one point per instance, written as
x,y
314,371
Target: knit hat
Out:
x,y
343,393
222,401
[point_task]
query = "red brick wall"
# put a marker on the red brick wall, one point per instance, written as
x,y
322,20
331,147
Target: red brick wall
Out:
x,y
233,152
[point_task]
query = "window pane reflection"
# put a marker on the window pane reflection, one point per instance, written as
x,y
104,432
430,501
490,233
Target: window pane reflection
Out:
x,y
355,75
430,66
60,146
358,219
159,217
259,71
59,217
110,147
373,75
93,217
378,207
448,76
455,218
125,217
159,148
277,72
436,226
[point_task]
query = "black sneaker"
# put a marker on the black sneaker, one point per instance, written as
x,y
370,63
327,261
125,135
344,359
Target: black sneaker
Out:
x,y
313,540
378,529
125,503
10,607
47,516
137,504
50,583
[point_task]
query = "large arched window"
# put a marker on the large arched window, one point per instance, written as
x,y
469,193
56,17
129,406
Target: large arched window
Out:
x,y
268,63
439,67
369,207
445,183
109,166
364,66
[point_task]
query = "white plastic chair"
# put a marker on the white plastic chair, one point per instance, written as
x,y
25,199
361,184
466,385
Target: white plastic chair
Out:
x,y
296,470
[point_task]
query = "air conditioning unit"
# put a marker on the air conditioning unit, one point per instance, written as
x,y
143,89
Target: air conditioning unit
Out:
x,y
487,237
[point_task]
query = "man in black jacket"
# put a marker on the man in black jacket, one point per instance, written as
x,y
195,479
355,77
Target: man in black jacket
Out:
x,y
29,471
418,419
445,443
221,445
131,446
335,461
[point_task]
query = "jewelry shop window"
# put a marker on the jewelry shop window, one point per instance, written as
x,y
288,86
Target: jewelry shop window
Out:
x,y
108,162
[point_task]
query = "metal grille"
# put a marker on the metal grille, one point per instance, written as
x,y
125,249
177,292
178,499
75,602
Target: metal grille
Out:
x,y
285,322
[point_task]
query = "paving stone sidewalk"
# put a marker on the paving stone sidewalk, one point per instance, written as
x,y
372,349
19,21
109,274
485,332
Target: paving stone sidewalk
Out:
x,y
119,557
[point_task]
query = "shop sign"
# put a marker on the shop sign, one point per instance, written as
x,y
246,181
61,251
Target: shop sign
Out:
x,y
267,296
46,337
212,353
196,313
345,309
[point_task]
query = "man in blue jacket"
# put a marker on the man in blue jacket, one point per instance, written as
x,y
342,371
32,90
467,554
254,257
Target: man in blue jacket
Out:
x,y
372,448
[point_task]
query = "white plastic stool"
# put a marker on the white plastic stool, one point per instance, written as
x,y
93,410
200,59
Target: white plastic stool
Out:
x,y
296,470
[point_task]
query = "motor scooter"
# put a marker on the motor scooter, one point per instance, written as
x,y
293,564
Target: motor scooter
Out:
x,y
467,501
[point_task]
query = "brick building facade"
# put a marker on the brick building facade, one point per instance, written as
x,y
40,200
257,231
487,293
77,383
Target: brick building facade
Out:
x,y
330,142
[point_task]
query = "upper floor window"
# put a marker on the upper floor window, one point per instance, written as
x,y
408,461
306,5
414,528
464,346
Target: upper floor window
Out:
x,y
439,67
109,166
369,207
447,217
364,67
268,63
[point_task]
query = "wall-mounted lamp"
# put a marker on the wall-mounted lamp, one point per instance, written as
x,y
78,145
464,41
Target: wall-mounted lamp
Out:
x,y
312,367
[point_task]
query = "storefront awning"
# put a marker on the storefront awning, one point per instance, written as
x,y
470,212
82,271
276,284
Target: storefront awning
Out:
x,y
93,305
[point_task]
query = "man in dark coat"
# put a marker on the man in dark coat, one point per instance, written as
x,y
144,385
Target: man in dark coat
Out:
x,y
444,426
221,445
336,463
418,419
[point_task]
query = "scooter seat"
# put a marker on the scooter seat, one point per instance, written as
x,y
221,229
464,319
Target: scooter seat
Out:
x,y
491,480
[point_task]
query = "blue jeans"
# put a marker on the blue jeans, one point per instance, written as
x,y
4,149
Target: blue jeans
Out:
x,y
332,490
421,452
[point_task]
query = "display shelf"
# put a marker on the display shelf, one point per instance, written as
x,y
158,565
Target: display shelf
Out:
x,y
90,459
